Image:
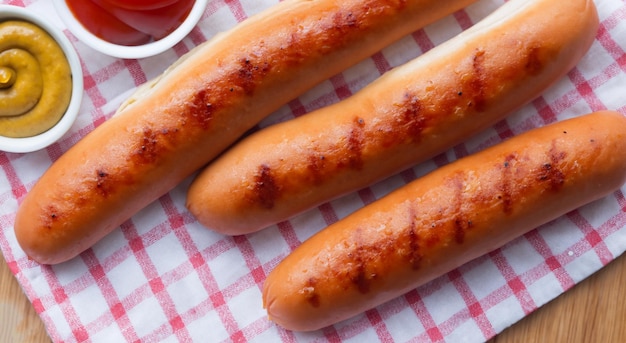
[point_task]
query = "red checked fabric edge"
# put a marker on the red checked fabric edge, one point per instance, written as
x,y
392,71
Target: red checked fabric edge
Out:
x,y
162,277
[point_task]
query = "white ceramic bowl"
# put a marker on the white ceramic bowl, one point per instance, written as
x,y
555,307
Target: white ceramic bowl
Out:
x,y
124,51
38,142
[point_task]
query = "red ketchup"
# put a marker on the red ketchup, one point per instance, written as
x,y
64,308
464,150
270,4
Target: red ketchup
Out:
x,y
130,22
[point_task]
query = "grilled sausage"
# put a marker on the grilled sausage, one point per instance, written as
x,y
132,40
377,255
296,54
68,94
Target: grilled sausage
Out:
x,y
446,218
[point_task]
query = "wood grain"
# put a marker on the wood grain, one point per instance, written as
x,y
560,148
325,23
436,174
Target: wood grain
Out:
x,y
592,311
18,320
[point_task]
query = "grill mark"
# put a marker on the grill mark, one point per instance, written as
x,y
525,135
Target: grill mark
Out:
x,y
148,148
329,33
412,119
294,51
51,216
361,280
415,255
407,124
266,190
534,60
477,83
316,164
461,222
550,171
354,146
359,275
244,77
200,109
310,294
506,186
342,24
104,186
250,73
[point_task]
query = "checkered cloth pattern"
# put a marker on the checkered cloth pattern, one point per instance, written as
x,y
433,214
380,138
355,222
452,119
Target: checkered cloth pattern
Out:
x,y
161,277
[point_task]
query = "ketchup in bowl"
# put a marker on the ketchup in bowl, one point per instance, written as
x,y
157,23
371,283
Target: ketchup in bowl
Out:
x,y
130,22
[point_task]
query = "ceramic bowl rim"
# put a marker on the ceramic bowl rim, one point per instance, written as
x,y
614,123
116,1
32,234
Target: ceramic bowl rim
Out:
x,y
125,51
47,138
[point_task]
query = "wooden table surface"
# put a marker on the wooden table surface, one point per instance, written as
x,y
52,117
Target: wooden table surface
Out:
x,y
593,311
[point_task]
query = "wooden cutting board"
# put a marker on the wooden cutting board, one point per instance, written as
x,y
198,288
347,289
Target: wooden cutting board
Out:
x,y
593,311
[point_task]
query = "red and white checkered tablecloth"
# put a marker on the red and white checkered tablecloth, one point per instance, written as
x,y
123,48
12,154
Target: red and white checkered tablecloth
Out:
x,y
162,277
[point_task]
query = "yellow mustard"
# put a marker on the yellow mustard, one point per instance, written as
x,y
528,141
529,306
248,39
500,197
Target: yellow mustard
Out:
x,y
35,80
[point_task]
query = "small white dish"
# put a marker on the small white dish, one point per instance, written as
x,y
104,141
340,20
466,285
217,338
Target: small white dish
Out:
x,y
41,141
125,51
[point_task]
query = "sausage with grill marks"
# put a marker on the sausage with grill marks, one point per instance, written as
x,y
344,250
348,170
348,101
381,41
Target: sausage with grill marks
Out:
x,y
445,219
